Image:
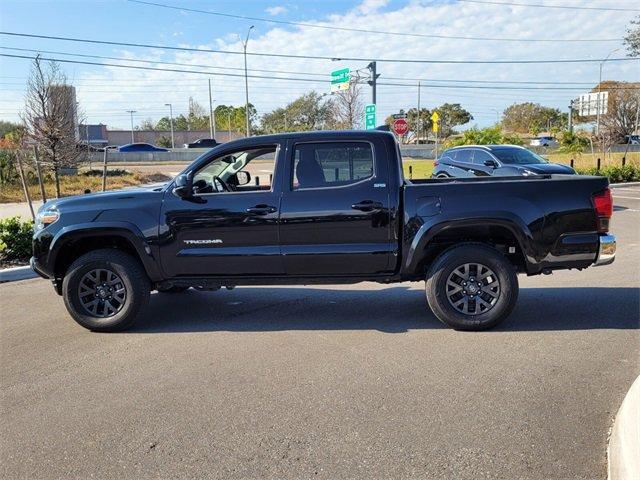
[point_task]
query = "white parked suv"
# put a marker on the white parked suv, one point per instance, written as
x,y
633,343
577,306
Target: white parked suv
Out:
x,y
544,141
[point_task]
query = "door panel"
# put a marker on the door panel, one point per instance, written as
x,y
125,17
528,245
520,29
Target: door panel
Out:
x,y
335,217
224,233
221,234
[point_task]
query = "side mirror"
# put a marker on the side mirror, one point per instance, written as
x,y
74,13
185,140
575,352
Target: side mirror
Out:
x,y
182,186
491,163
242,178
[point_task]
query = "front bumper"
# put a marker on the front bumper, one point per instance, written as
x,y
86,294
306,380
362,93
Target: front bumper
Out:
x,y
606,250
33,263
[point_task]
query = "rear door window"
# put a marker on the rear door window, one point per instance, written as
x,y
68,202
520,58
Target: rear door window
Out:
x,y
318,165
464,156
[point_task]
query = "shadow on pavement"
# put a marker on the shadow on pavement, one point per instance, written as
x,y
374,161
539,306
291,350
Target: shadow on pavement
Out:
x,y
390,310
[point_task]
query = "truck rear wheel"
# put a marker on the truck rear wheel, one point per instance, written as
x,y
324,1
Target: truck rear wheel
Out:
x,y
105,290
472,287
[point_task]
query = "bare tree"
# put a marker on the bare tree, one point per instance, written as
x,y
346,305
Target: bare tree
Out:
x,y
51,117
347,109
620,119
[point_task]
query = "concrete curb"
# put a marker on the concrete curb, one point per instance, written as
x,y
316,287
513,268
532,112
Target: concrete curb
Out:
x,y
621,185
624,443
16,273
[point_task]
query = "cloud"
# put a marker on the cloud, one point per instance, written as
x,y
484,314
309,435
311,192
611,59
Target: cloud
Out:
x,y
368,7
106,93
277,10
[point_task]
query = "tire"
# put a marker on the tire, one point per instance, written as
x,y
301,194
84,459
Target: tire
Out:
x,y
173,289
109,277
487,303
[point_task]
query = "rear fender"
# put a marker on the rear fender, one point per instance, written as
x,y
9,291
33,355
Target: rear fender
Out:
x,y
430,229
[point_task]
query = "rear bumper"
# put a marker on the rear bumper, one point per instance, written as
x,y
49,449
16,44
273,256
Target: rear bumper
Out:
x,y
606,250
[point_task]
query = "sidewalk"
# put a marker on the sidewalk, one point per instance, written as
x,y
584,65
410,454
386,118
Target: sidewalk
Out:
x,y
20,209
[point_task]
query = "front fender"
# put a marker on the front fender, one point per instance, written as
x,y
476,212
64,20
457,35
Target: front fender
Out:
x,y
126,230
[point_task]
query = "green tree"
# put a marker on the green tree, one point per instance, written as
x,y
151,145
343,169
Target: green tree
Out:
x,y
8,127
451,116
532,118
484,136
305,113
632,39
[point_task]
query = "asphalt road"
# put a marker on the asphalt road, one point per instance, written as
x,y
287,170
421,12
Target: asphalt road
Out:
x,y
325,382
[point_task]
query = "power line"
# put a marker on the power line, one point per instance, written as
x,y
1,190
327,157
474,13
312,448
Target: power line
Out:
x,y
324,75
364,30
320,57
538,5
411,85
160,62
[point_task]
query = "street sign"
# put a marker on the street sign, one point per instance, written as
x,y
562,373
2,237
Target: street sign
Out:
x,y
400,127
589,104
435,118
399,115
340,80
370,116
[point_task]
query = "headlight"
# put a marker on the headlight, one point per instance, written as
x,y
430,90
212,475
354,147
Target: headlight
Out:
x,y
45,218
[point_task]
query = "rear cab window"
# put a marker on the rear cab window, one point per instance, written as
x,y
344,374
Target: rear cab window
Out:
x,y
331,164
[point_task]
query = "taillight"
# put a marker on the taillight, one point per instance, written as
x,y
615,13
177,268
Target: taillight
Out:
x,y
436,163
603,205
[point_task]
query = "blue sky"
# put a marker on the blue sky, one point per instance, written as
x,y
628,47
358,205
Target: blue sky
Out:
x,y
106,92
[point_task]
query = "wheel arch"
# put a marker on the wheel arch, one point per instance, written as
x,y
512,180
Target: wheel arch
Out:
x,y
72,242
501,234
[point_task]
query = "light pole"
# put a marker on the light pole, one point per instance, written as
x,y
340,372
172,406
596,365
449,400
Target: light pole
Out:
x,y
212,115
246,81
600,88
173,145
131,112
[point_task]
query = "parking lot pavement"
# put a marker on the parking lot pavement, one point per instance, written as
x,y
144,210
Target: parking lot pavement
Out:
x,y
357,381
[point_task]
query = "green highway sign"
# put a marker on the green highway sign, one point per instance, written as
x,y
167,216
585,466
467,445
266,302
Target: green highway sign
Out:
x,y
340,79
370,116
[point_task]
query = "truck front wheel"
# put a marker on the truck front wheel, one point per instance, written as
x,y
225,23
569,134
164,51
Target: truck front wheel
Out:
x,y
472,287
105,290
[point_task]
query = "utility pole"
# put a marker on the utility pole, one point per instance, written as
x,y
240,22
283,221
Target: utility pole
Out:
x,y
86,129
570,125
246,81
131,112
372,82
212,119
418,127
173,145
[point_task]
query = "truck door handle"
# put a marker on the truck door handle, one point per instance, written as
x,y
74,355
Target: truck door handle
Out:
x,y
367,206
262,209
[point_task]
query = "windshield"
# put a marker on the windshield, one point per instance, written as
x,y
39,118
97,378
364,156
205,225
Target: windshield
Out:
x,y
517,156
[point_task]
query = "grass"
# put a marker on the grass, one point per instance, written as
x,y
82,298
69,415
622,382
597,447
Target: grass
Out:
x,y
586,160
77,184
417,168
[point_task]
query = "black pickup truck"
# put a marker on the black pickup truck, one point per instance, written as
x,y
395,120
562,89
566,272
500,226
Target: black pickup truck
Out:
x,y
319,208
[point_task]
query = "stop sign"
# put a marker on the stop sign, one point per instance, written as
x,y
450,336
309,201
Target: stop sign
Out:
x,y
400,126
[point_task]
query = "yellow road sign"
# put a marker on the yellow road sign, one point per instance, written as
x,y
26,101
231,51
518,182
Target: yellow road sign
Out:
x,y
434,119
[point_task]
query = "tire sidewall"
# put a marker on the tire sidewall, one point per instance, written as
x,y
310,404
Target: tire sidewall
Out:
x,y
120,320
452,259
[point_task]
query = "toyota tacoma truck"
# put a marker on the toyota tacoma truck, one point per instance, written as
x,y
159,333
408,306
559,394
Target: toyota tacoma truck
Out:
x,y
319,208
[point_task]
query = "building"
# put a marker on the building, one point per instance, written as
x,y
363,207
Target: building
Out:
x,y
95,135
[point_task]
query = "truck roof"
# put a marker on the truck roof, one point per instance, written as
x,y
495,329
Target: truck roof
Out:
x,y
314,135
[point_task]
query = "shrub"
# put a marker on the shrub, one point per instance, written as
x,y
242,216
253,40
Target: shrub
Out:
x,y
616,174
15,239
8,170
484,136
572,143
114,172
